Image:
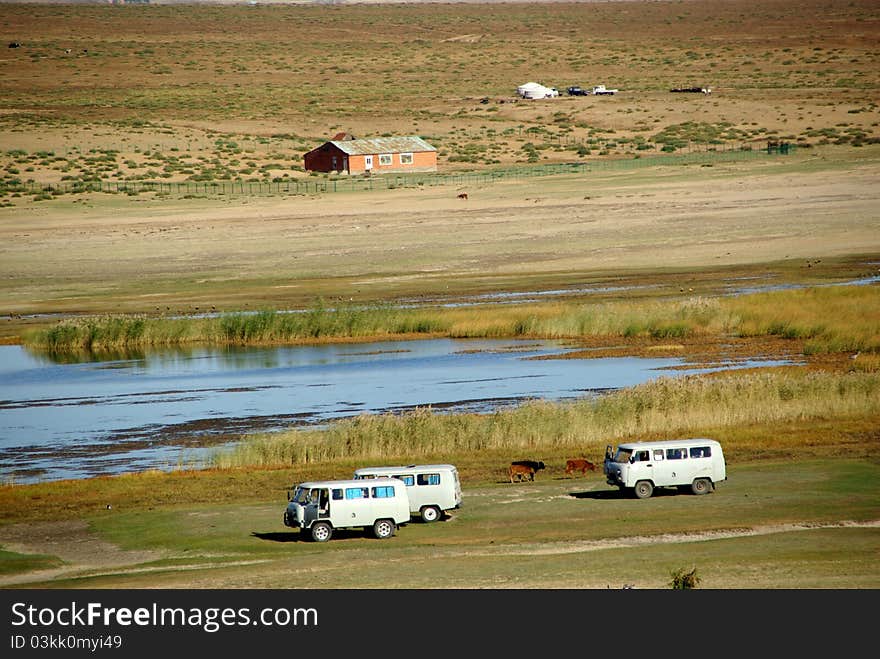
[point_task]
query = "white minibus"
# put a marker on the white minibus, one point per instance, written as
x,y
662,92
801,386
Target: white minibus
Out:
x,y
433,489
320,507
694,464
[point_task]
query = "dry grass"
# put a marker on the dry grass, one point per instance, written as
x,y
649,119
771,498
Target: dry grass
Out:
x,y
837,319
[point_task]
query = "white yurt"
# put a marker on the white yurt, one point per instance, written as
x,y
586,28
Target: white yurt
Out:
x,y
535,90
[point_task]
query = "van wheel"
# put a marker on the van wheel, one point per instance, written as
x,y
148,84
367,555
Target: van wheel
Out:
x,y
321,531
383,528
701,486
430,514
643,489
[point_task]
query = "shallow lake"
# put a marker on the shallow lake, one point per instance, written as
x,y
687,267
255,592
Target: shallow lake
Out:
x,y
165,409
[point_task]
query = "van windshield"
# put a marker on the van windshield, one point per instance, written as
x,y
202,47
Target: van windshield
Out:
x,y
622,455
301,496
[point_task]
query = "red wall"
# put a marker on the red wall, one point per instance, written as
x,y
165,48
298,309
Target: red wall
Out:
x,y
321,160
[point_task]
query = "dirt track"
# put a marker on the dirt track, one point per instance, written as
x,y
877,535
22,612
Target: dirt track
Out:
x,y
86,555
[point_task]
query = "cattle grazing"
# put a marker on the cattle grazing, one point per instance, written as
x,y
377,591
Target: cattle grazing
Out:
x,y
520,473
580,465
14,44
534,464
524,469
462,195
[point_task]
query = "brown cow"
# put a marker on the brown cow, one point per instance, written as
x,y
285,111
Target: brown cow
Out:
x,y
580,465
462,195
537,465
520,473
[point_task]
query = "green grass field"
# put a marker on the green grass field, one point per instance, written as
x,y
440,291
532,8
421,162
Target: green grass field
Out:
x,y
773,524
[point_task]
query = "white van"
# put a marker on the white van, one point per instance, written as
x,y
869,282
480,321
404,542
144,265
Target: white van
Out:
x,y
695,464
319,507
433,489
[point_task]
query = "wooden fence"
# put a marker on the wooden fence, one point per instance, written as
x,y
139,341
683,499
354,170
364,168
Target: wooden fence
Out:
x,y
320,184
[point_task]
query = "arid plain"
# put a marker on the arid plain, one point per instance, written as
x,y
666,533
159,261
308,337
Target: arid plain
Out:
x,y
205,92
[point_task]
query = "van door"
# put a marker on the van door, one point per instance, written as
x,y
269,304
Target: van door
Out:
x,y
385,502
641,467
671,467
316,506
358,511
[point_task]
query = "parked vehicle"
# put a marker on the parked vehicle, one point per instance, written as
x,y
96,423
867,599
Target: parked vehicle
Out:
x,y
641,467
577,91
432,489
319,508
692,90
601,90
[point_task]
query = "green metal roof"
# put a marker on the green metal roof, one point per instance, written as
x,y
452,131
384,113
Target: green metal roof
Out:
x,y
406,144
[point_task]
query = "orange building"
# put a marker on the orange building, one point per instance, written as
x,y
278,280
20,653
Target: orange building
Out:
x,y
379,155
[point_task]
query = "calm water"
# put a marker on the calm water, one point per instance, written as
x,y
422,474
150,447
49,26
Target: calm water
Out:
x,y
164,409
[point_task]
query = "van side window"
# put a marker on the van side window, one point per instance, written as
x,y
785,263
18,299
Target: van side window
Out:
x,y
642,456
428,479
406,478
676,453
357,493
337,494
701,452
658,454
384,492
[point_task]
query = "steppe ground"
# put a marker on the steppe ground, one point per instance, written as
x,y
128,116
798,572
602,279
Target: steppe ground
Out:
x,y
195,255
206,92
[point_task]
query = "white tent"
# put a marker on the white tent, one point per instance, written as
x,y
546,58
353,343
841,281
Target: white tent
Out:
x,y
535,90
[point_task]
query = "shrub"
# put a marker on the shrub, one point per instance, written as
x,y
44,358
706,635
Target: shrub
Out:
x,y
682,580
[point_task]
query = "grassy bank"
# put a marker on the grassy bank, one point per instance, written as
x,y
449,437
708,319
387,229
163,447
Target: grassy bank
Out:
x,y
829,319
664,407
810,437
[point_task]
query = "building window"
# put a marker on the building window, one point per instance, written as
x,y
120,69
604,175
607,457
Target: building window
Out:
x,y
385,160
406,159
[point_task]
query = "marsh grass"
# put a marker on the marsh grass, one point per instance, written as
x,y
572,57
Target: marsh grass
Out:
x,y
112,333
830,320
664,407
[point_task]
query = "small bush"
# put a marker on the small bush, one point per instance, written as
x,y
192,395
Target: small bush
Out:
x,y
682,580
